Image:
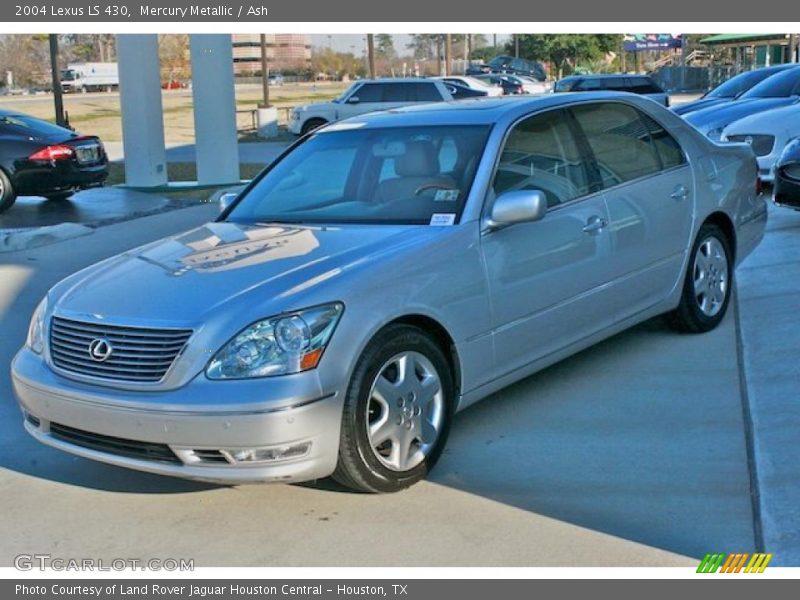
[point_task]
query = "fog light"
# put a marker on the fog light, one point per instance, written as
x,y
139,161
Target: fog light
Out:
x,y
268,454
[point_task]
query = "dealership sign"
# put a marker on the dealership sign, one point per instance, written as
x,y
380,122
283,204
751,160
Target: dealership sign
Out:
x,y
633,42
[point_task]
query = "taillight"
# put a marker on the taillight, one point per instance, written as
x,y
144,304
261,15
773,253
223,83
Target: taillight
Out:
x,y
520,89
57,152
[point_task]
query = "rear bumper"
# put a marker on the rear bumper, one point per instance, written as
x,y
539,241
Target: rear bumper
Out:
x,y
48,399
42,177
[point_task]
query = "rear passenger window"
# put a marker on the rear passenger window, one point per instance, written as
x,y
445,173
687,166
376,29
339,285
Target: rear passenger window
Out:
x,y
541,154
425,92
667,146
620,141
644,85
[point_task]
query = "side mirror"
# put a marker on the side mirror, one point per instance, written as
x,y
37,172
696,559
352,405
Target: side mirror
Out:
x,y
521,206
353,100
225,200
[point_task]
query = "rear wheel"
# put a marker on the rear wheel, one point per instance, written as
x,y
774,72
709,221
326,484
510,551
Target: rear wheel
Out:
x,y
707,286
397,412
7,194
311,125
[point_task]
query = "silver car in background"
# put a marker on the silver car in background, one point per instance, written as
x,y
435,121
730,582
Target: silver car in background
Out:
x,y
384,273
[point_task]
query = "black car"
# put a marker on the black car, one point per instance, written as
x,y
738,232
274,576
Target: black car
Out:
x,y
38,158
731,89
460,91
510,65
787,177
510,84
634,84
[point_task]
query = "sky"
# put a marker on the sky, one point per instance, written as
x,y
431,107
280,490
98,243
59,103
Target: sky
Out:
x,y
343,42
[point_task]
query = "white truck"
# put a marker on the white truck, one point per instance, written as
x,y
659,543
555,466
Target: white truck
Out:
x,y
90,77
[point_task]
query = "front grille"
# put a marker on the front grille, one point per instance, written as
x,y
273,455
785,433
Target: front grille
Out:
x,y
761,144
114,445
210,456
137,354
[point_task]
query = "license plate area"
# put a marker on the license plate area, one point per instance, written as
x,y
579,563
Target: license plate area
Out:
x,y
87,153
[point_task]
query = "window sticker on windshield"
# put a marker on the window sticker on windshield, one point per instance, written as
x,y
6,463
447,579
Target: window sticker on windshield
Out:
x,y
445,196
443,219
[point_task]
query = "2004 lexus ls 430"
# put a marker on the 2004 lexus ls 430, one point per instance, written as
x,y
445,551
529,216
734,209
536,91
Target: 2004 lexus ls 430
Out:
x,y
382,274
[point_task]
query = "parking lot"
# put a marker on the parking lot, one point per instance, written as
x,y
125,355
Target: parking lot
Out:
x,y
651,448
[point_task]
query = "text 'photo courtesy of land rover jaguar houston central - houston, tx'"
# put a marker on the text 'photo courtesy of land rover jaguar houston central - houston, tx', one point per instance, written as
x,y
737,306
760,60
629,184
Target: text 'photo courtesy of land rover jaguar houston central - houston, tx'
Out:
x,y
385,272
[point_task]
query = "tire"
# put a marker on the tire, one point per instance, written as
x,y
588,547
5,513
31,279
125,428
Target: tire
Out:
x,y
707,284
311,125
379,402
7,194
59,197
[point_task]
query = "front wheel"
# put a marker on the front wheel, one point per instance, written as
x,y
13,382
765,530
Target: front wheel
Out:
x,y
708,283
311,125
397,412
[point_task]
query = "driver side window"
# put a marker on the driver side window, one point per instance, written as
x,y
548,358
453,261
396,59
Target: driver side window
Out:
x,y
540,153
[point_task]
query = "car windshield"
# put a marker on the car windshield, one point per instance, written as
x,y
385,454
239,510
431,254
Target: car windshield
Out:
x,y
399,175
33,127
782,85
340,98
739,84
68,75
500,62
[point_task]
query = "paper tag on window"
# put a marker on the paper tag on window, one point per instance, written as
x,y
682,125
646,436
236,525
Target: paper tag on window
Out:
x,y
446,196
443,219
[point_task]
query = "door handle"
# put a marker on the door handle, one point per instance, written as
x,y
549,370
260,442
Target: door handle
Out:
x,y
680,192
594,224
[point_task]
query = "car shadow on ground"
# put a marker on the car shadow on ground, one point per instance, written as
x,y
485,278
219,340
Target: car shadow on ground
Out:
x,y
640,437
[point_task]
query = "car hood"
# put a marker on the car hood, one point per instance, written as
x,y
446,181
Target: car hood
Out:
x,y
786,118
184,279
721,116
688,107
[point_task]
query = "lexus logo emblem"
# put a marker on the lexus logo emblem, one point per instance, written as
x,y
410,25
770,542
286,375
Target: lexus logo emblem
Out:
x,y
100,349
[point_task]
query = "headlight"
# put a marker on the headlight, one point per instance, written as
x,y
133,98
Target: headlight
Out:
x,y
715,134
277,346
35,339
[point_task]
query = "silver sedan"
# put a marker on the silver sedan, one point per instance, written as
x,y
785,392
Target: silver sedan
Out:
x,y
384,273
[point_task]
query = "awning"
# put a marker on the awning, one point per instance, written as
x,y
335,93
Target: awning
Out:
x,y
744,38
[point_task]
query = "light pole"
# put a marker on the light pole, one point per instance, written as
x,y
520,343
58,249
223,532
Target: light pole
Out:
x,y
264,71
58,98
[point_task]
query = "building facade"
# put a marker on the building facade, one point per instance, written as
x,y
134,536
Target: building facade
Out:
x,y
285,51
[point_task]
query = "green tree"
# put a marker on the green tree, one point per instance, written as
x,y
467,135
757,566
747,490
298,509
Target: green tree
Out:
x,y
565,51
384,46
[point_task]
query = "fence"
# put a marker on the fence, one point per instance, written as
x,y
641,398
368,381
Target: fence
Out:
x,y
694,79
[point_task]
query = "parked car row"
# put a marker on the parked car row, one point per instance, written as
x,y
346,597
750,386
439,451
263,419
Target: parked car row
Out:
x,y
760,108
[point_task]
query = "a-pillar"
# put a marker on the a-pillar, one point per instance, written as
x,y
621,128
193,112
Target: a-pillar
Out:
x,y
142,115
216,145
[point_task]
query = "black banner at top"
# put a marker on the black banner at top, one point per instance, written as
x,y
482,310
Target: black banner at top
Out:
x,y
230,11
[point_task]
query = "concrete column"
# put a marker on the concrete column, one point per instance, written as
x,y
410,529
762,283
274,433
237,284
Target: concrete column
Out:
x,y
216,145
142,116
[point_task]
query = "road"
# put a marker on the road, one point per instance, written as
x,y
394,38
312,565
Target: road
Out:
x,y
631,453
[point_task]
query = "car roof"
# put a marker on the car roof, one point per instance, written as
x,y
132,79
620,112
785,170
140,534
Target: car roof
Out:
x,y
604,76
395,80
475,111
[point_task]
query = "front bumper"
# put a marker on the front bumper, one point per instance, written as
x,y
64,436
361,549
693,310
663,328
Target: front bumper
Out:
x,y
52,403
295,124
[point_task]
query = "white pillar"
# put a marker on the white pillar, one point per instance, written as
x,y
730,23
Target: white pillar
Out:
x,y
216,145
142,116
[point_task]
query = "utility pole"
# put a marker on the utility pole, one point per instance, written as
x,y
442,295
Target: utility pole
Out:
x,y
448,55
793,48
516,45
264,71
58,98
371,54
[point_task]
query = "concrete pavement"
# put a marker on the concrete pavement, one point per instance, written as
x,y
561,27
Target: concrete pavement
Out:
x,y
631,453
769,299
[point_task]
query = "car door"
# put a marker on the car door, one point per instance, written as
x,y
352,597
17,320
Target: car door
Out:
x,y
547,277
648,187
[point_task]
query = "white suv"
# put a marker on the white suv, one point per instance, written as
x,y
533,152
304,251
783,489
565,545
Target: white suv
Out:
x,y
367,96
